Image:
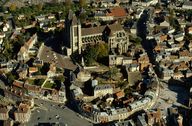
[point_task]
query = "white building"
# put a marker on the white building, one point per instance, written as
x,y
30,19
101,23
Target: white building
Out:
x,y
102,90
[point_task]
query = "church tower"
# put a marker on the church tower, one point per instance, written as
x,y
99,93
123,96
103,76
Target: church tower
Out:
x,y
74,33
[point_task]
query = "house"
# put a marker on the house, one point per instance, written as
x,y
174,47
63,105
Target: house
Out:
x,y
59,96
4,113
102,90
178,75
138,13
32,70
141,121
165,24
125,123
160,37
167,74
133,29
187,5
18,83
21,17
115,60
38,63
40,18
188,73
16,94
184,55
143,61
22,71
51,16
23,113
154,117
182,66
8,122
52,70
2,35
163,38
189,30
6,27
62,94
140,104
32,90
132,67
117,12
118,114
23,54
120,94
127,60
179,36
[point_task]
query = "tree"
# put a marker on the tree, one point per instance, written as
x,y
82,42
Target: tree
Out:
x,y
136,40
68,3
90,55
102,50
40,7
83,17
112,72
10,77
45,68
12,7
82,3
174,23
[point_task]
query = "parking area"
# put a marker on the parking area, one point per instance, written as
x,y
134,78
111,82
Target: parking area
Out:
x,y
50,112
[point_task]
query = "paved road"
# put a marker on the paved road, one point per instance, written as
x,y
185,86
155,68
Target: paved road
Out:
x,y
50,112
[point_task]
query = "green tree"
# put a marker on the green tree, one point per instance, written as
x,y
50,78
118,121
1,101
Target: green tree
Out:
x,y
12,7
83,17
102,50
82,3
10,77
40,7
112,72
45,68
174,23
136,40
68,3
90,55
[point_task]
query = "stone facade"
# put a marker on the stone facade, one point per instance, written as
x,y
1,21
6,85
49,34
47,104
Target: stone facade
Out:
x,y
77,38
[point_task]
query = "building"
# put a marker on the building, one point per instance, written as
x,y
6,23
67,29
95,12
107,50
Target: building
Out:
x,y
4,113
102,90
23,54
143,61
8,122
78,38
187,5
52,70
32,70
23,113
125,123
141,121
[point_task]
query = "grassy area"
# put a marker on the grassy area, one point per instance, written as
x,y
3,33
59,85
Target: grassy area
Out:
x,y
31,81
48,84
37,82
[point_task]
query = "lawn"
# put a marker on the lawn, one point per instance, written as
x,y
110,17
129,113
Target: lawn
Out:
x,y
48,84
37,82
31,81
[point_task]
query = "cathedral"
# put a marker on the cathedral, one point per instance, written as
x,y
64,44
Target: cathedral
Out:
x,y
77,38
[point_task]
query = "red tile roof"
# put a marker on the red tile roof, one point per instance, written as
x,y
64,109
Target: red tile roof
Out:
x,y
18,83
117,12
